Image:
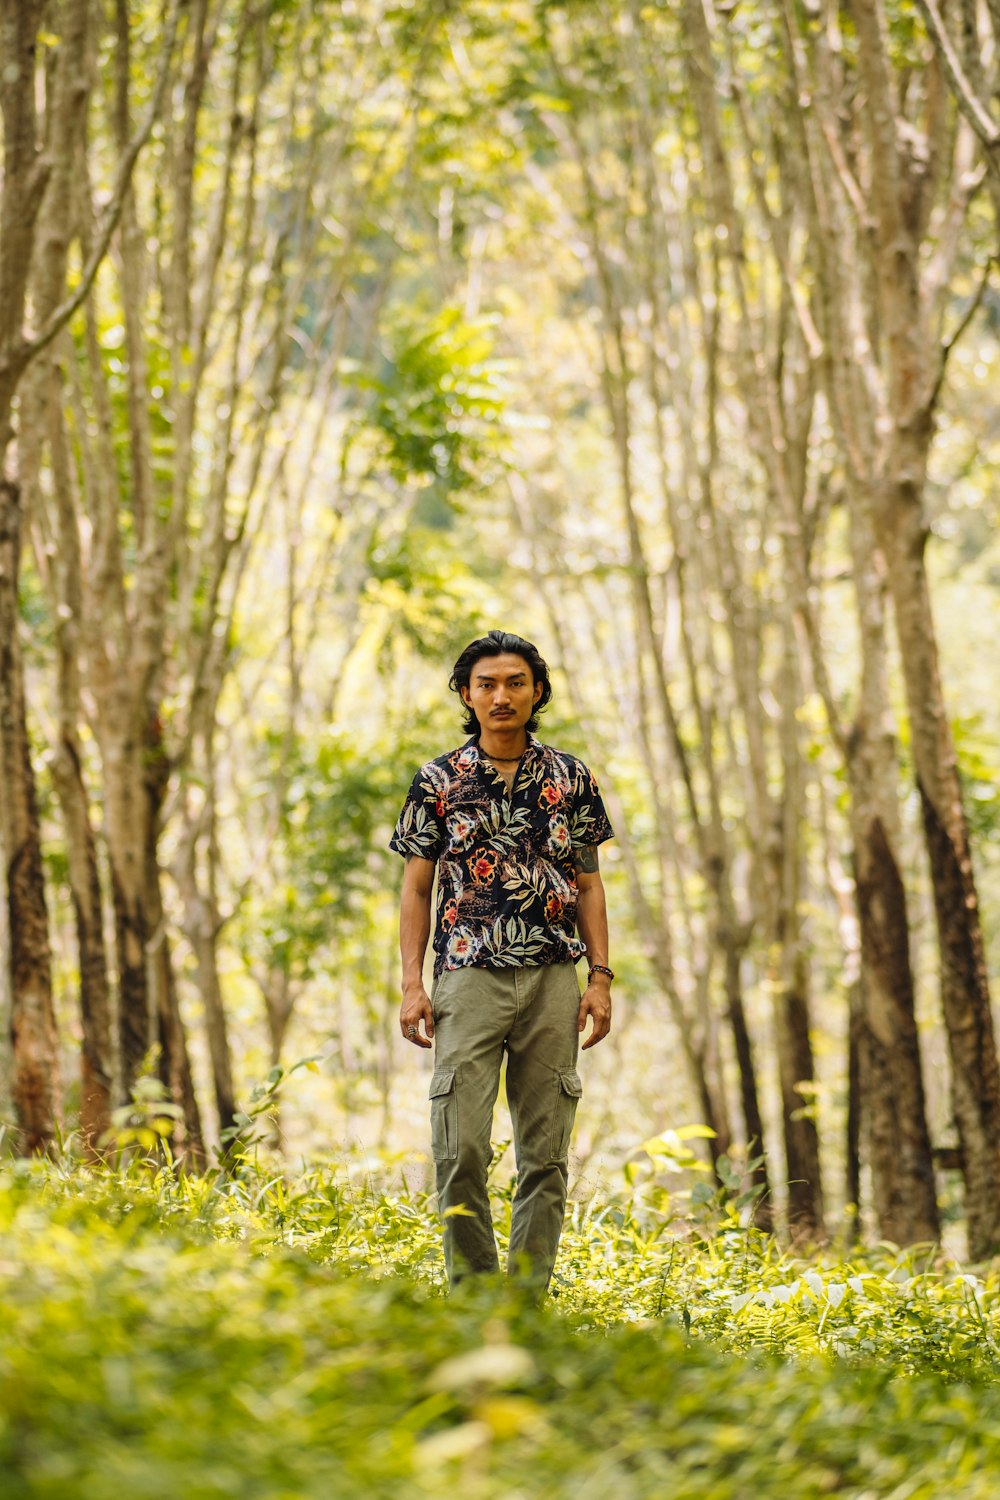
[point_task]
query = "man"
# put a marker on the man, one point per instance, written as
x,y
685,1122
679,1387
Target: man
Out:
x,y
512,827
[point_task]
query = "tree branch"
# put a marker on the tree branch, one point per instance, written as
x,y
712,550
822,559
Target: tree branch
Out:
x,y
966,318
972,107
27,349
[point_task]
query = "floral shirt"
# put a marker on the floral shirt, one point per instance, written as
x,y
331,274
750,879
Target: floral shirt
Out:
x,y
507,888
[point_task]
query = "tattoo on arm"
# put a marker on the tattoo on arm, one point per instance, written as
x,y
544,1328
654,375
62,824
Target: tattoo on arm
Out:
x,y
585,859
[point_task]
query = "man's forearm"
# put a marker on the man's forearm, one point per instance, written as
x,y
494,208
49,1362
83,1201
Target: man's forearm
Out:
x,y
414,931
592,922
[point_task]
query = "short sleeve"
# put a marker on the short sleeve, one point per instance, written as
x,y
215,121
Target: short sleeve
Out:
x,y
420,826
589,823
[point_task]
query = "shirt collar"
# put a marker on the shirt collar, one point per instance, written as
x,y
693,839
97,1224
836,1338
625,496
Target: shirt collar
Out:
x,y
533,747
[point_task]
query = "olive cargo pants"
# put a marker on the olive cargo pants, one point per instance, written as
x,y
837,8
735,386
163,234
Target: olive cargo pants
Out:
x,y
531,1013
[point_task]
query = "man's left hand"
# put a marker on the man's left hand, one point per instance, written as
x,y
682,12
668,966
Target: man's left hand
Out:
x,y
595,1003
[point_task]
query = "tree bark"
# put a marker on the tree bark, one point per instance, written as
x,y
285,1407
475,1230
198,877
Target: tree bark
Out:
x,y
127,840
796,1069
964,986
97,1067
890,1072
97,1052
912,384
174,1061
33,1027
852,1124
58,551
202,925
887,1080
25,173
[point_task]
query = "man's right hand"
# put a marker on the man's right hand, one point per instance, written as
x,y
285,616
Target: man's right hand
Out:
x,y
416,1008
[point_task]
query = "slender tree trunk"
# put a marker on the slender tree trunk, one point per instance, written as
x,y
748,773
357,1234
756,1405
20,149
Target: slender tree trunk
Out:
x,y
965,995
852,1124
33,1028
795,1065
41,417
25,173
795,1057
125,815
58,548
279,1003
202,935
749,1097
891,1077
96,1059
6,1070
889,1052
711,1083
174,1062
202,925
911,385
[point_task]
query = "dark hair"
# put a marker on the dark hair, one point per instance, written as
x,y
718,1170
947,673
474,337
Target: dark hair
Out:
x,y
500,643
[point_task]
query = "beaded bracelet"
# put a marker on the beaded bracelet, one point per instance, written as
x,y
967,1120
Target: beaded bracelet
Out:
x,y
599,969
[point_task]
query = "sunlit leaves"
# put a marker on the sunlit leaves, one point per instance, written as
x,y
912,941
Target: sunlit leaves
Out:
x,y
255,1333
436,400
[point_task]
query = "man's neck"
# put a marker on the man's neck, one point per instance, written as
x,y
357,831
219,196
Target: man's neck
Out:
x,y
504,744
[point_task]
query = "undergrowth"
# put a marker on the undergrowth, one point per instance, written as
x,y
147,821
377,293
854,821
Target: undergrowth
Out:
x,y
249,1334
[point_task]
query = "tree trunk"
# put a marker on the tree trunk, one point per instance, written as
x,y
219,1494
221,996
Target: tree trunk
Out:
x,y
795,1065
965,995
33,1027
279,1003
57,548
891,1077
41,417
96,1058
889,1052
795,1058
125,815
23,184
852,1131
202,924
6,1087
174,1062
912,370
763,1212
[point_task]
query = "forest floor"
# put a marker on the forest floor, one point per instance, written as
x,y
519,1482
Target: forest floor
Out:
x,y
245,1335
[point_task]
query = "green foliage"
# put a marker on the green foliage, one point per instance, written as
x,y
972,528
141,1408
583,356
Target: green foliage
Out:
x,y
249,1130
338,805
437,401
431,598
245,1334
148,1120
979,770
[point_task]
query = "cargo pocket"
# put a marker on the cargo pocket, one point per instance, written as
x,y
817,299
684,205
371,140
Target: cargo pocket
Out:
x,y
568,1095
444,1115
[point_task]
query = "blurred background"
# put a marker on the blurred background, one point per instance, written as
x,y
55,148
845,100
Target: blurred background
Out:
x,y
336,333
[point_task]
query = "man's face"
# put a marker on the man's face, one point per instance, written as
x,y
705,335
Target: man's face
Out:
x,y
502,692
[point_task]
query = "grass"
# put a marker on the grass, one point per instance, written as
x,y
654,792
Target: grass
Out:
x,y
254,1337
